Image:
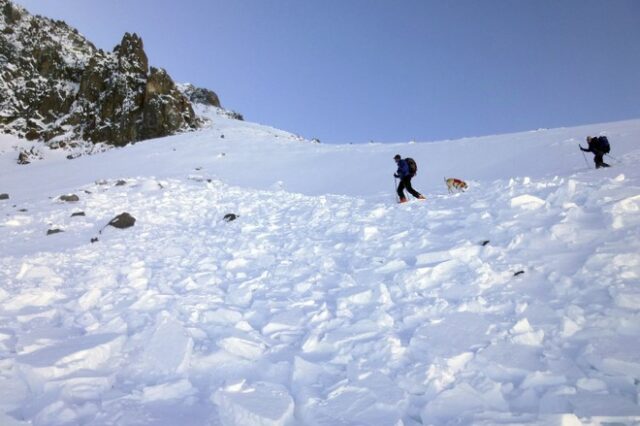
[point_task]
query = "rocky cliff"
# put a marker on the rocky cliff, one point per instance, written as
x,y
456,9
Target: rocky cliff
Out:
x,y
56,86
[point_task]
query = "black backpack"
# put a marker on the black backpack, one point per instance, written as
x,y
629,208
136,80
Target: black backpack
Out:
x,y
602,144
413,167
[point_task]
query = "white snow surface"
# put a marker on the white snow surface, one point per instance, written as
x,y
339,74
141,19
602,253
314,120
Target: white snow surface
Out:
x,y
324,302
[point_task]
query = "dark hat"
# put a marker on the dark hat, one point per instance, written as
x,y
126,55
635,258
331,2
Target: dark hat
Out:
x,y
397,157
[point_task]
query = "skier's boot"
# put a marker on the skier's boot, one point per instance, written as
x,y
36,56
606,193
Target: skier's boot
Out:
x,y
402,200
422,197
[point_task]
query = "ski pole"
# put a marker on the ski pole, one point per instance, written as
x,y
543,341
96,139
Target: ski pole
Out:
x,y
584,156
613,158
395,188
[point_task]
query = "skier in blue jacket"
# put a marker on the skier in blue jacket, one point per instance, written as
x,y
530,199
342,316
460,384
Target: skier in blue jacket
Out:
x,y
405,175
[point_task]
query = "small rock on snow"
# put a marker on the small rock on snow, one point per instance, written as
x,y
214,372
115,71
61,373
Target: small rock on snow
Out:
x,y
69,198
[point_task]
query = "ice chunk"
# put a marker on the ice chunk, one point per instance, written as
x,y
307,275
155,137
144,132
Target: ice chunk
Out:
x,y
392,266
590,404
433,257
56,413
354,297
527,202
370,399
625,212
261,403
166,391
81,388
370,232
169,349
615,355
542,379
72,355
455,334
525,335
592,385
5,420
14,391
90,299
460,403
32,297
243,347
560,420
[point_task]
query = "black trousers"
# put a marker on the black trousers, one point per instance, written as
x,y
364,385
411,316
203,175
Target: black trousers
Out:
x,y
405,183
599,160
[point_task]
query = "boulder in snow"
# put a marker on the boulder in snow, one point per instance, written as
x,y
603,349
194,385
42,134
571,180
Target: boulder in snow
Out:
x,y
70,198
4,196
229,217
25,157
123,221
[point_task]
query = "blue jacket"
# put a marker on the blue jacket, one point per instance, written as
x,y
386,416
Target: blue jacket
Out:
x,y
403,169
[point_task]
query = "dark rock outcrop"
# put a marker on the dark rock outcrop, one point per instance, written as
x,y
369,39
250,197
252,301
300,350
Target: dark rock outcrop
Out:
x,y
200,96
165,109
70,198
4,196
122,221
230,217
57,86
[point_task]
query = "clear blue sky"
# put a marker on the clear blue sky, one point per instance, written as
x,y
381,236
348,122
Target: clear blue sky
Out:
x,y
361,70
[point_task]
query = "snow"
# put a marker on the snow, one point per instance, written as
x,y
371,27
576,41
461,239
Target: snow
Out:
x,y
323,302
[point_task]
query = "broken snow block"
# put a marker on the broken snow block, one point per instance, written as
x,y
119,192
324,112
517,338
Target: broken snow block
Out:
x,y
170,348
70,198
4,196
230,217
259,403
122,221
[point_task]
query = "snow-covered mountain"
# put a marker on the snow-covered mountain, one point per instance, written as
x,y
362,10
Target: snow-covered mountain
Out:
x,y
324,302
58,87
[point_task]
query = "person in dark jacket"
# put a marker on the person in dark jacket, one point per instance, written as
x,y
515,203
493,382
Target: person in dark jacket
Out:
x,y
405,175
595,148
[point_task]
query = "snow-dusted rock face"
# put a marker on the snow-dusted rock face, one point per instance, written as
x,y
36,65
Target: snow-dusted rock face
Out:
x,y
199,95
57,86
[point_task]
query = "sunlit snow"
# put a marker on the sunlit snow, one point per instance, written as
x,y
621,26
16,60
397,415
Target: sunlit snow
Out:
x,y
324,302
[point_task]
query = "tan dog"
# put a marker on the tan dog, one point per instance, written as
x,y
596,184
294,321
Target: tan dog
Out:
x,y
457,184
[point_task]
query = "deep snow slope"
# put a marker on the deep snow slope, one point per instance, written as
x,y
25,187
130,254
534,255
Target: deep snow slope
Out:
x,y
324,302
